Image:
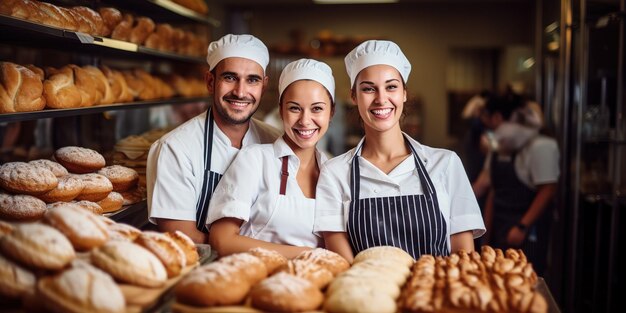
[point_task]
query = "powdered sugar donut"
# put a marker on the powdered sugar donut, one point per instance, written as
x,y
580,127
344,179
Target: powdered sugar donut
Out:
x,y
79,160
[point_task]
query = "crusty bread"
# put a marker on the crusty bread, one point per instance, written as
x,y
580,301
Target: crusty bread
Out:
x,y
23,178
79,160
382,252
168,252
363,298
57,169
90,206
87,85
59,89
325,258
14,279
39,246
97,26
81,289
213,284
186,245
111,17
83,228
69,187
112,202
131,263
272,259
123,28
21,90
144,26
251,267
97,187
286,293
318,275
123,232
21,208
104,95
119,88
123,178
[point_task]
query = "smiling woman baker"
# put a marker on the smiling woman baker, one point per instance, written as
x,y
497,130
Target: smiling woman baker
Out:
x,y
390,189
267,196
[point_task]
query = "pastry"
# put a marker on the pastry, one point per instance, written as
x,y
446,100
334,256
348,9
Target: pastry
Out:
x,y
97,187
286,293
79,160
21,208
83,228
186,245
69,187
130,263
39,246
23,178
272,259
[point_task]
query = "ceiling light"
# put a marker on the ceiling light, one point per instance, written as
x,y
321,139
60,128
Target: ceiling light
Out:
x,y
352,1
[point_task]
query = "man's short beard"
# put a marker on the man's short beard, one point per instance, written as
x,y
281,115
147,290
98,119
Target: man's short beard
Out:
x,y
226,117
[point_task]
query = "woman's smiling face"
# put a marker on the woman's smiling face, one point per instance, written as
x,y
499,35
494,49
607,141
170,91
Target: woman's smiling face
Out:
x,y
379,94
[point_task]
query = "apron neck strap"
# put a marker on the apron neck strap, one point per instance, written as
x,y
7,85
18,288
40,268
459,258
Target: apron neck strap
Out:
x,y
284,175
208,139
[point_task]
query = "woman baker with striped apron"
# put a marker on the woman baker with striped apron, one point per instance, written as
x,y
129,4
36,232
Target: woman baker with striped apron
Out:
x,y
390,189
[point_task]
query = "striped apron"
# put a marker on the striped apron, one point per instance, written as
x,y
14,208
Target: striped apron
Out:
x,y
210,179
413,223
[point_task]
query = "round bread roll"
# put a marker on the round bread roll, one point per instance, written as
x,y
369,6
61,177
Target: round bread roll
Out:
x,y
186,245
359,299
68,189
327,259
384,252
15,281
22,208
123,178
211,285
112,202
83,228
384,286
131,263
89,206
106,220
23,178
39,246
250,266
5,228
286,293
57,169
385,266
81,289
123,232
170,254
272,259
319,276
79,160
396,277
97,187
134,195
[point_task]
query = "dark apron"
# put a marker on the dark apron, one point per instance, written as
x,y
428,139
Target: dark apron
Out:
x,y
210,179
413,223
512,198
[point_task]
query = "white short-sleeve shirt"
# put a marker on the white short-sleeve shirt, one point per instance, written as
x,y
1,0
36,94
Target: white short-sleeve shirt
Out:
x,y
454,192
250,188
175,169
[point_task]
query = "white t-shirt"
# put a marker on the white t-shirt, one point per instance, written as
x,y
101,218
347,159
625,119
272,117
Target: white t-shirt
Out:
x,y
175,169
250,190
454,192
538,162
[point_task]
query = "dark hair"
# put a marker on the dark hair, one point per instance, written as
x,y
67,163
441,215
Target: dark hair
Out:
x,y
505,104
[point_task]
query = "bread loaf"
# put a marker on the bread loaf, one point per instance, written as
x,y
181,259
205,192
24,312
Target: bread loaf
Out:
x,y
213,284
104,95
119,88
95,21
111,17
38,246
83,228
60,90
21,90
168,252
144,26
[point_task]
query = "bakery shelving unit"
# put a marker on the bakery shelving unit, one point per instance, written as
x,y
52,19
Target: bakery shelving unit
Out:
x,y
24,33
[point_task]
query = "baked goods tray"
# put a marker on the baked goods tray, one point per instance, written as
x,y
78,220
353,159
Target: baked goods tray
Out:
x,y
135,214
26,31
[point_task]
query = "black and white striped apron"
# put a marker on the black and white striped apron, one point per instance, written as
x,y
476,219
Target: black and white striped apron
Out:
x,y
210,179
413,223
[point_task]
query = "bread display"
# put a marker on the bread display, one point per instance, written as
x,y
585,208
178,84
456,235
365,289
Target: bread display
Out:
x,y
15,280
69,187
81,289
21,89
23,178
186,245
286,293
490,281
129,262
83,228
104,94
38,246
21,208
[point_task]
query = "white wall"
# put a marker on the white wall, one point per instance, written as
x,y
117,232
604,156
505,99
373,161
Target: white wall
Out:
x,y
425,32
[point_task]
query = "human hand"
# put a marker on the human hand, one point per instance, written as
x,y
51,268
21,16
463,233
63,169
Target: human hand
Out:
x,y
516,237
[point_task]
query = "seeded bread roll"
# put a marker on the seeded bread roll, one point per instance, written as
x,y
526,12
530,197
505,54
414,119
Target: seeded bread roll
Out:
x,y
15,280
130,263
83,228
68,189
214,284
79,160
286,293
81,289
186,244
23,178
39,246
168,252
21,208
313,272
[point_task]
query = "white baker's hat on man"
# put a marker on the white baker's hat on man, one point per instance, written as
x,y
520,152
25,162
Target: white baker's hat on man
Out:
x,y
238,46
376,52
307,69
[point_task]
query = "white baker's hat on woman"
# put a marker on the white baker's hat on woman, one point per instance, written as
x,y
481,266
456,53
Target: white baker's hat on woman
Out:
x,y
376,52
307,69
238,46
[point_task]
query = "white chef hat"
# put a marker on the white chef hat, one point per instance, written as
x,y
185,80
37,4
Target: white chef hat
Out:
x,y
307,69
238,46
375,52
